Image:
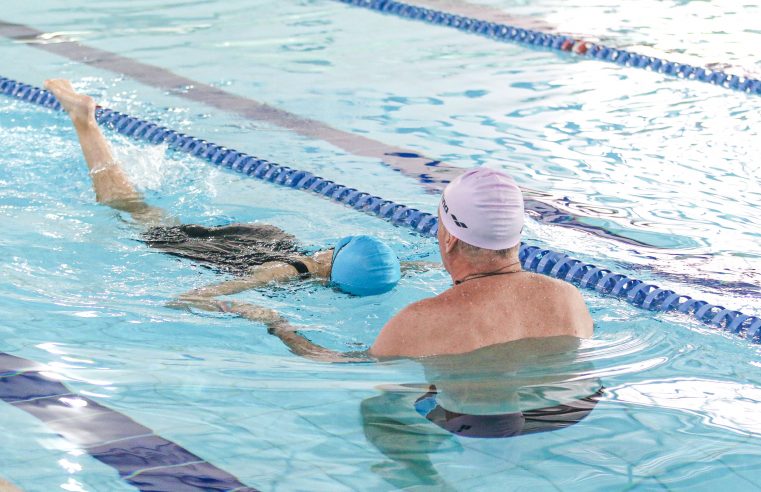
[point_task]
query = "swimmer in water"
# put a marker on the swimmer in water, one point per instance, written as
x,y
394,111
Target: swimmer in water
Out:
x,y
492,300
256,253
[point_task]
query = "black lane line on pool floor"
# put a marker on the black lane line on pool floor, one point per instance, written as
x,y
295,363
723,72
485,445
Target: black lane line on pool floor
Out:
x,y
143,459
432,174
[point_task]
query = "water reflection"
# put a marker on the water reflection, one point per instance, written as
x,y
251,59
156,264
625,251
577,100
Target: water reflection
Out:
x,y
729,405
502,391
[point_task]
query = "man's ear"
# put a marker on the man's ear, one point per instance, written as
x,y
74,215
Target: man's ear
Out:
x,y
449,242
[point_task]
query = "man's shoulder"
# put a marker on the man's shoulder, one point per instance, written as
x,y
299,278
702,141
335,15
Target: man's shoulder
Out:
x,y
409,330
564,301
554,286
422,311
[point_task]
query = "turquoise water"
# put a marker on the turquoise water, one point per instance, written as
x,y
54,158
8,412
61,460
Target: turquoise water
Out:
x,y
719,34
79,293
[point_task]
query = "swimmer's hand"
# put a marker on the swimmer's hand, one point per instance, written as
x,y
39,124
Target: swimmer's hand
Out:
x,y
298,344
188,302
276,325
269,317
248,311
419,266
177,304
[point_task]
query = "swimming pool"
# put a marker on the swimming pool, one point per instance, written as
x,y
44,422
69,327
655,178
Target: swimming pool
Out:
x,y
623,150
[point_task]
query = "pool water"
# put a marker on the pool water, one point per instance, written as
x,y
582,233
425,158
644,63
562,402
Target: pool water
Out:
x,y
671,164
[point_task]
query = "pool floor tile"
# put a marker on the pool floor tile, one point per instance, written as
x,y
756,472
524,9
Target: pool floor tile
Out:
x,y
61,407
285,427
579,477
189,477
311,481
92,430
337,418
649,484
45,473
131,455
11,363
745,467
28,385
701,476
506,479
131,450
294,400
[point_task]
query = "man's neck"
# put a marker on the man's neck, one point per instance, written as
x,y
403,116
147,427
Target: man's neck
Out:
x,y
462,267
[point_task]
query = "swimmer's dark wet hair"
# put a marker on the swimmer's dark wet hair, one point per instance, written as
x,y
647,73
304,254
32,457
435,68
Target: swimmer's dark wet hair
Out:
x,y
232,249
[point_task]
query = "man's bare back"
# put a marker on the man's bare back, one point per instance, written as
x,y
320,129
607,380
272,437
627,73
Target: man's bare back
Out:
x,y
486,311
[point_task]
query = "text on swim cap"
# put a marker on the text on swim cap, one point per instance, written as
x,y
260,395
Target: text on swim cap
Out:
x,y
454,217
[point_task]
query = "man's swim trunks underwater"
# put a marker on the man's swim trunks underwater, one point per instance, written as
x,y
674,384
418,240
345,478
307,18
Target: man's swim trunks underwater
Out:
x,y
508,424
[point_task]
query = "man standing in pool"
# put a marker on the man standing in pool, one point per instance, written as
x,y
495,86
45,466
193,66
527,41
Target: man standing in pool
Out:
x,y
492,300
256,253
481,213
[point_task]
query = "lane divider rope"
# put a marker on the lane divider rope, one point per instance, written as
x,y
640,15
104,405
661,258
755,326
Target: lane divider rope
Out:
x,y
535,259
559,42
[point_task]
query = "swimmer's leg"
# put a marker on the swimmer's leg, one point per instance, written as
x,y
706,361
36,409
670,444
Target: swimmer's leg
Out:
x,y
8,487
111,185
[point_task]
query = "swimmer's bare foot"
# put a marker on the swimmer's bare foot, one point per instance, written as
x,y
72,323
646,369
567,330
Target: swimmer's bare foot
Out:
x,y
81,108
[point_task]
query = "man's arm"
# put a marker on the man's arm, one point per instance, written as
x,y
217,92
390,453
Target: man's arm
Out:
x,y
8,487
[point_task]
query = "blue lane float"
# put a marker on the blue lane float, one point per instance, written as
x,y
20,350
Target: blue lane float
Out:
x,y
535,259
559,42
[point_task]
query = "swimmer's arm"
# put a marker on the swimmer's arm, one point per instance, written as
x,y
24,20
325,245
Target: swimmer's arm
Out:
x,y
203,297
298,344
419,266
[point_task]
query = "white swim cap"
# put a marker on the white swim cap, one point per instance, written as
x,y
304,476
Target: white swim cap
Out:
x,y
484,208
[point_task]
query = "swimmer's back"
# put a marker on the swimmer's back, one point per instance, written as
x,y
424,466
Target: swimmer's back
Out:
x,y
232,248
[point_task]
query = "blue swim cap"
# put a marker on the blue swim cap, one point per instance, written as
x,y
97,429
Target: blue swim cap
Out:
x,y
364,266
